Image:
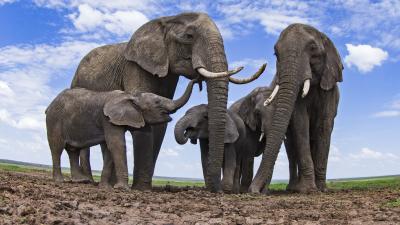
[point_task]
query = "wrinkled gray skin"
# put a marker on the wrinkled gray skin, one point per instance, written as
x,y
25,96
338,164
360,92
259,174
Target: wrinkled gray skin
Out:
x,y
303,53
152,61
79,118
242,136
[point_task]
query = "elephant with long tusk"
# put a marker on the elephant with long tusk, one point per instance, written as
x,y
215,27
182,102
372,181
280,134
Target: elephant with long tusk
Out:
x,y
305,98
161,50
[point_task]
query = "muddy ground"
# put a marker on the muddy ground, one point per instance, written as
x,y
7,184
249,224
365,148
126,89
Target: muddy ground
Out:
x,y
32,198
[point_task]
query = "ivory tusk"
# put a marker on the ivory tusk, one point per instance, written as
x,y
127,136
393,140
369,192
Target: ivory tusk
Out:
x,y
249,79
261,137
209,74
306,88
272,96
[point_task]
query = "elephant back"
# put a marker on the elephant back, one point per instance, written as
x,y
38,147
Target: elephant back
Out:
x,y
101,69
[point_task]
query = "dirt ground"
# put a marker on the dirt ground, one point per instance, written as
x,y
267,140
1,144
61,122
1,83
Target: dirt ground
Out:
x,y
32,198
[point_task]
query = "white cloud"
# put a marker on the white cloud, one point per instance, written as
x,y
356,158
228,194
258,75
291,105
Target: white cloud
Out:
x,y
364,57
274,16
367,153
25,80
5,90
3,2
89,19
394,110
388,113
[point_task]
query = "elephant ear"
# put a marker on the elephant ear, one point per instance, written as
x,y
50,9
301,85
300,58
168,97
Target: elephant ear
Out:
x,y
123,112
147,48
246,111
231,130
332,71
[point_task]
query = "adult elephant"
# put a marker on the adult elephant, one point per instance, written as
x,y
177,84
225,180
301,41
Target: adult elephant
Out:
x,y
307,60
161,50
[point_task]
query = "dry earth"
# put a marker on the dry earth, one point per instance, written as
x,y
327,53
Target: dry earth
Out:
x,y
32,198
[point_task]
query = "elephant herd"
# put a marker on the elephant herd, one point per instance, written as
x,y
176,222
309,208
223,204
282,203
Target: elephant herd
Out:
x,y
129,87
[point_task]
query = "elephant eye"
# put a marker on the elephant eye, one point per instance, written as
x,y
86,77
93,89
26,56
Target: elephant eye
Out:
x,y
188,36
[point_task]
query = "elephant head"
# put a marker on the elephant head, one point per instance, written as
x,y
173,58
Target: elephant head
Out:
x,y
137,109
194,125
306,60
190,44
254,114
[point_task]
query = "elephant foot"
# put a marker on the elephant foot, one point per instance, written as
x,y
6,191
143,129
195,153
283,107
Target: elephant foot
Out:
x,y
142,186
321,185
121,186
291,186
254,190
305,186
244,189
105,185
58,179
80,179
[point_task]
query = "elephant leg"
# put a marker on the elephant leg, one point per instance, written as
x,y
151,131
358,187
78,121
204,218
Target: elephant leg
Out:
x,y
300,129
292,158
76,171
204,156
108,168
84,161
247,174
158,137
236,177
143,158
115,140
56,151
229,167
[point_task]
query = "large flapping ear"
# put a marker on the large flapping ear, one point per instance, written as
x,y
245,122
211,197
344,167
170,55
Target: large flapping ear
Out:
x,y
333,67
123,112
147,48
231,130
246,111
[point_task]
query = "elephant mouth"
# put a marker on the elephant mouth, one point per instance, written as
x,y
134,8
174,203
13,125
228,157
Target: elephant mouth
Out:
x,y
190,132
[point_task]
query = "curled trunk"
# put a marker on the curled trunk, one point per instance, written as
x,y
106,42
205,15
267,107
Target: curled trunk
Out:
x,y
179,130
285,102
178,103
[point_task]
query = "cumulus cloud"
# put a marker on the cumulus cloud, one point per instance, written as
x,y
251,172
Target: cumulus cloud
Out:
x,y
89,19
364,57
25,79
274,16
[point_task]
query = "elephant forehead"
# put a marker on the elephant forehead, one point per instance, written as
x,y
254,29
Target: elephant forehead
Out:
x,y
198,109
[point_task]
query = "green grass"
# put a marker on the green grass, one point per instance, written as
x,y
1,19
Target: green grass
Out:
x,y
344,184
362,184
393,203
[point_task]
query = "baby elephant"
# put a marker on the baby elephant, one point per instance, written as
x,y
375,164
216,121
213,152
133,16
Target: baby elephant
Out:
x,y
245,136
78,118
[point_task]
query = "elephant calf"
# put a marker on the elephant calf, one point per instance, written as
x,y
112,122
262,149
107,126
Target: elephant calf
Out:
x,y
248,122
79,118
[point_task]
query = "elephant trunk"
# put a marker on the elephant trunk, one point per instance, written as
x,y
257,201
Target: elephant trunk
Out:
x,y
180,128
217,89
285,101
178,103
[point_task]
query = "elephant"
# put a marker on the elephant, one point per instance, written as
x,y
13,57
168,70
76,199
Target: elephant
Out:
x,y
79,118
161,50
244,136
306,97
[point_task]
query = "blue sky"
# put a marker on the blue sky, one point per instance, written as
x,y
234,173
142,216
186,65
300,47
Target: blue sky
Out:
x,y
42,42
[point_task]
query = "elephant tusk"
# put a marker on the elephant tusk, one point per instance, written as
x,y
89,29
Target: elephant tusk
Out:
x,y
261,137
306,88
209,74
272,96
250,79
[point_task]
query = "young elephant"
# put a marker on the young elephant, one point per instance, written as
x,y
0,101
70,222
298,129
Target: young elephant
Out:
x,y
244,137
79,118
